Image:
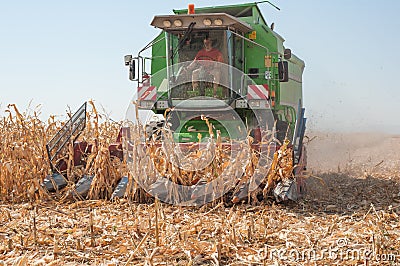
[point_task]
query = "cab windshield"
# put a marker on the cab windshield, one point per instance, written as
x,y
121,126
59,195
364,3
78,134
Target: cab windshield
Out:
x,y
198,64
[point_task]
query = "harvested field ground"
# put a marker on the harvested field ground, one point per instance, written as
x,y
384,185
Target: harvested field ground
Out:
x,y
351,212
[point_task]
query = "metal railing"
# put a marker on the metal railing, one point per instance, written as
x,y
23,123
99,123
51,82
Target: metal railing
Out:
x,y
71,130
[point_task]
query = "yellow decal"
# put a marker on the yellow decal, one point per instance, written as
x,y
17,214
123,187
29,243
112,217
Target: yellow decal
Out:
x,y
267,61
253,35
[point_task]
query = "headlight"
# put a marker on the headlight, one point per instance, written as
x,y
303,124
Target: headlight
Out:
x,y
241,103
167,23
162,104
259,104
207,22
254,103
144,104
178,23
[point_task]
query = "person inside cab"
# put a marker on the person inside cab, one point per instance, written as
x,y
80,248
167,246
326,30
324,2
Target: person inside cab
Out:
x,y
207,60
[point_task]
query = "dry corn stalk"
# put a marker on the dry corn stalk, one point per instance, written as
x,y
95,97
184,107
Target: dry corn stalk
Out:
x,y
281,167
23,158
24,162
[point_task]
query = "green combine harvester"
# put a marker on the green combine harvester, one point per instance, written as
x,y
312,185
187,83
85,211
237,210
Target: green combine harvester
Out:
x,y
213,72
249,74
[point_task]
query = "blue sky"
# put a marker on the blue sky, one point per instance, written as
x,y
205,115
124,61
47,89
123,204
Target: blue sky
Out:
x,y
60,53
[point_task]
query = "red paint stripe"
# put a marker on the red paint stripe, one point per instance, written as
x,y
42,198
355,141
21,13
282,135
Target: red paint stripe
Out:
x,y
259,93
266,87
145,88
251,88
147,92
154,97
144,95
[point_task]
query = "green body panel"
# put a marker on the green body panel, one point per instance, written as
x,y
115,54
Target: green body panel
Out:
x,y
187,135
158,58
291,92
287,94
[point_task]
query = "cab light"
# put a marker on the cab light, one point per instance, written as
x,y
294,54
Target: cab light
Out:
x,y
178,23
167,23
207,22
218,22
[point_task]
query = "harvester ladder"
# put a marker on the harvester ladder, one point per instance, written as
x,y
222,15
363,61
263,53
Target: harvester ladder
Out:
x,y
299,131
70,131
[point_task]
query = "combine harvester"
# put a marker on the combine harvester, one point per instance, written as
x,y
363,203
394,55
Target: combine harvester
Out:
x,y
243,86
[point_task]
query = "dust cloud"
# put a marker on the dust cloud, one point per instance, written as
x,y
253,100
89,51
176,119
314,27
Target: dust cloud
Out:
x,y
336,152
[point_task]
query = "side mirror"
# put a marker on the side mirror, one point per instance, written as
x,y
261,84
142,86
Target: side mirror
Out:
x,y
287,54
131,62
128,59
132,70
283,70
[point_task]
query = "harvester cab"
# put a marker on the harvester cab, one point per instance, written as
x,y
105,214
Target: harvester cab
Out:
x,y
200,53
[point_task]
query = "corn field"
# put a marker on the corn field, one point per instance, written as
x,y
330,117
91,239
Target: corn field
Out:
x,y
348,217
24,160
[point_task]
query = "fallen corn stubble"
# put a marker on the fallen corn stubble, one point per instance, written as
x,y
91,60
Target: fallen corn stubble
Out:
x,y
341,208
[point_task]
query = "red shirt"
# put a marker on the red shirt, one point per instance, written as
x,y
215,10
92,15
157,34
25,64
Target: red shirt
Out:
x,y
214,54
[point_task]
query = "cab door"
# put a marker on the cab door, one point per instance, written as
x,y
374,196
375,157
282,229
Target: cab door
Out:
x,y
236,61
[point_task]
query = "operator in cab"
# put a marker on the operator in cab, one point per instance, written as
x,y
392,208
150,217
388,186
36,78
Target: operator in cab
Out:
x,y
206,59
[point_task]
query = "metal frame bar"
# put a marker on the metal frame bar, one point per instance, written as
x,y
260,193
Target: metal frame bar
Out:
x,y
72,129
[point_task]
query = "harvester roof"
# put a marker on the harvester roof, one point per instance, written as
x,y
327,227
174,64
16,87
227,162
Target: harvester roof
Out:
x,y
238,10
241,10
183,21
